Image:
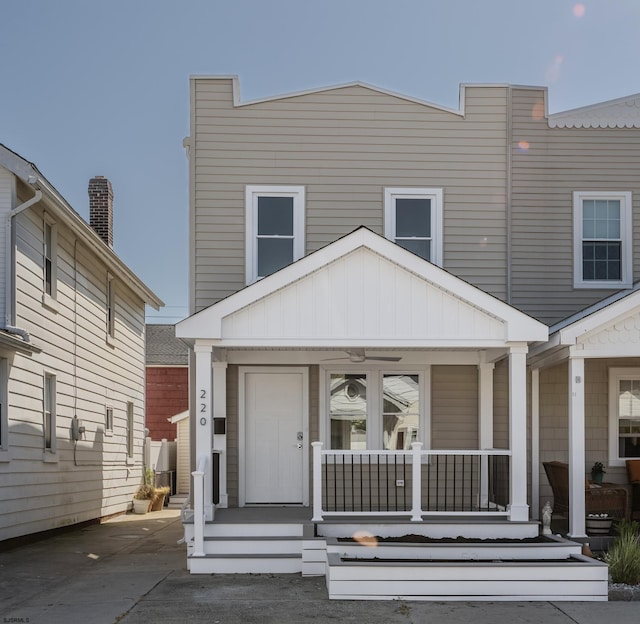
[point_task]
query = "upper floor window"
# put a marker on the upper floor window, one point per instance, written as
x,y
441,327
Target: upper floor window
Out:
x,y
624,414
275,229
413,220
111,308
50,253
602,230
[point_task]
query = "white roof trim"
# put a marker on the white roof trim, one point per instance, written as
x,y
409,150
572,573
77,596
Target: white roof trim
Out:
x,y
600,318
622,112
207,324
179,417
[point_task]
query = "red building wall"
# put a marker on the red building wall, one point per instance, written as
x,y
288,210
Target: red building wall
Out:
x,y
167,394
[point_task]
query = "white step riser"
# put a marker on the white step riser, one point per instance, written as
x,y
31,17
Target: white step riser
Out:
x,y
244,565
436,531
470,552
467,581
247,530
253,547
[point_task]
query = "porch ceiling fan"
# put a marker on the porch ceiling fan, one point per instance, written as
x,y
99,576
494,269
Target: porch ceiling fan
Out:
x,y
358,356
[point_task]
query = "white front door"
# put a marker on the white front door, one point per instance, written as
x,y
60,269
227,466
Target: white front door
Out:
x,y
274,402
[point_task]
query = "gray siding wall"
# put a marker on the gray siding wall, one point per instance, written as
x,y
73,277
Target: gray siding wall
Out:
x,y
345,146
40,491
7,199
557,162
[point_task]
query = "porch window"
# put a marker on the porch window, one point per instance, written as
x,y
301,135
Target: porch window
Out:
x,y
275,229
375,409
602,240
413,220
348,411
624,395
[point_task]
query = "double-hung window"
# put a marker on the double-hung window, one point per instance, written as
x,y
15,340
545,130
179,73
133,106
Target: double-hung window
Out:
x,y
49,413
624,414
110,307
275,229
375,409
602,239
50,259
413,220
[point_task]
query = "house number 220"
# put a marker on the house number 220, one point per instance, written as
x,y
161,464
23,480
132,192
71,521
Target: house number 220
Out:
x,y
203,407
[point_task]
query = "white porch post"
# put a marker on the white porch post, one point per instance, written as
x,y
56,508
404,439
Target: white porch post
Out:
x,y
203,421
535,443
519,509
485,433
576,447
220,420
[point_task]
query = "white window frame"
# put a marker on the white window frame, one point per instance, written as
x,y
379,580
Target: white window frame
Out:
x,y
436,197
50,256
616,375
626,236
49,400
252,193
4,410
110,308
108,420
375,373
130,437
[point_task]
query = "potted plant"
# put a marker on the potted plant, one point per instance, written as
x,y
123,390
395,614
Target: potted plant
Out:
x,y
598,524
597,472
142,499
159,495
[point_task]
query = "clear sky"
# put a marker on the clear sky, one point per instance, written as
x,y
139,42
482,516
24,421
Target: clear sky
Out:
x,y
101,87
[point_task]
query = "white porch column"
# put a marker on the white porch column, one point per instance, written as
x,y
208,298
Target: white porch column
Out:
x,y
485,425
576,447
535,443
519,509
203,421
220,425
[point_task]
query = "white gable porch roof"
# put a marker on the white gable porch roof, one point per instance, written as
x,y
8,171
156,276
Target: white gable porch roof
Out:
x,y
361,290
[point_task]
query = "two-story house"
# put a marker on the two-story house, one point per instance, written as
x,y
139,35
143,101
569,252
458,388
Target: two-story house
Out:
x,y
72,363
373,278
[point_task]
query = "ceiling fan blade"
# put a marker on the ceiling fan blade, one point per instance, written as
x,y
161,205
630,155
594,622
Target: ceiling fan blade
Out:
x,y
383,359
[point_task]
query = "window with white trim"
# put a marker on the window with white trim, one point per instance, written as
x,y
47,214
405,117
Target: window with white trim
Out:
x,y
375,409
49,413
50,258
4,412
110,307
413,220
275,228
130,430
624,414
108,419
602,231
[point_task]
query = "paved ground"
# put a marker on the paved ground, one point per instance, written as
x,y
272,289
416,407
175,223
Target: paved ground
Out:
x,y
130,570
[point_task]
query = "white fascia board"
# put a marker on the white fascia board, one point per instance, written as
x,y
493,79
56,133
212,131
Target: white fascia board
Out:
x,y
179,417
607,316
208,322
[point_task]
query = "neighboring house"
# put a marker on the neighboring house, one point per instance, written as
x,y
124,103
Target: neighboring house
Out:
x,y
167,380
349,244
167,396
71,358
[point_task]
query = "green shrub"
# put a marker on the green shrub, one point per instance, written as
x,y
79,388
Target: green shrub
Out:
x,y
624,557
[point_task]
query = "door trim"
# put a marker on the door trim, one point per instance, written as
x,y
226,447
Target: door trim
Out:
x,y
244,370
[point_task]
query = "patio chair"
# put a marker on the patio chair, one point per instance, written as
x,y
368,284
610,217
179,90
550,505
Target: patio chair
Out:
x,y
633,471
606,498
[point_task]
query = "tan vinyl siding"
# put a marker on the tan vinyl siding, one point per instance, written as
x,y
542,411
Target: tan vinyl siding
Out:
x,y
183,458
96,480
558,162
345,146
454,407
7,193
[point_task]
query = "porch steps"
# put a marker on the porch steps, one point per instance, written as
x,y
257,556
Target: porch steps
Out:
x,y
237,548
465,571
176,501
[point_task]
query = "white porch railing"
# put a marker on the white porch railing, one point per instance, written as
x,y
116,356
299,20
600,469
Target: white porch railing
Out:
x,y
413,483
198,507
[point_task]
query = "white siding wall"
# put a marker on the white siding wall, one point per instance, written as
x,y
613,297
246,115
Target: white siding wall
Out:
x,y
37,495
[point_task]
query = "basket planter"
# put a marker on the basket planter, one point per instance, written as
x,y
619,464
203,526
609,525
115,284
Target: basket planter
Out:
x,y
157,502
598,526
141,505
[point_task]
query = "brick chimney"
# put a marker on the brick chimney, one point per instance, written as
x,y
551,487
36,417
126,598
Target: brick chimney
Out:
x,y
101,208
